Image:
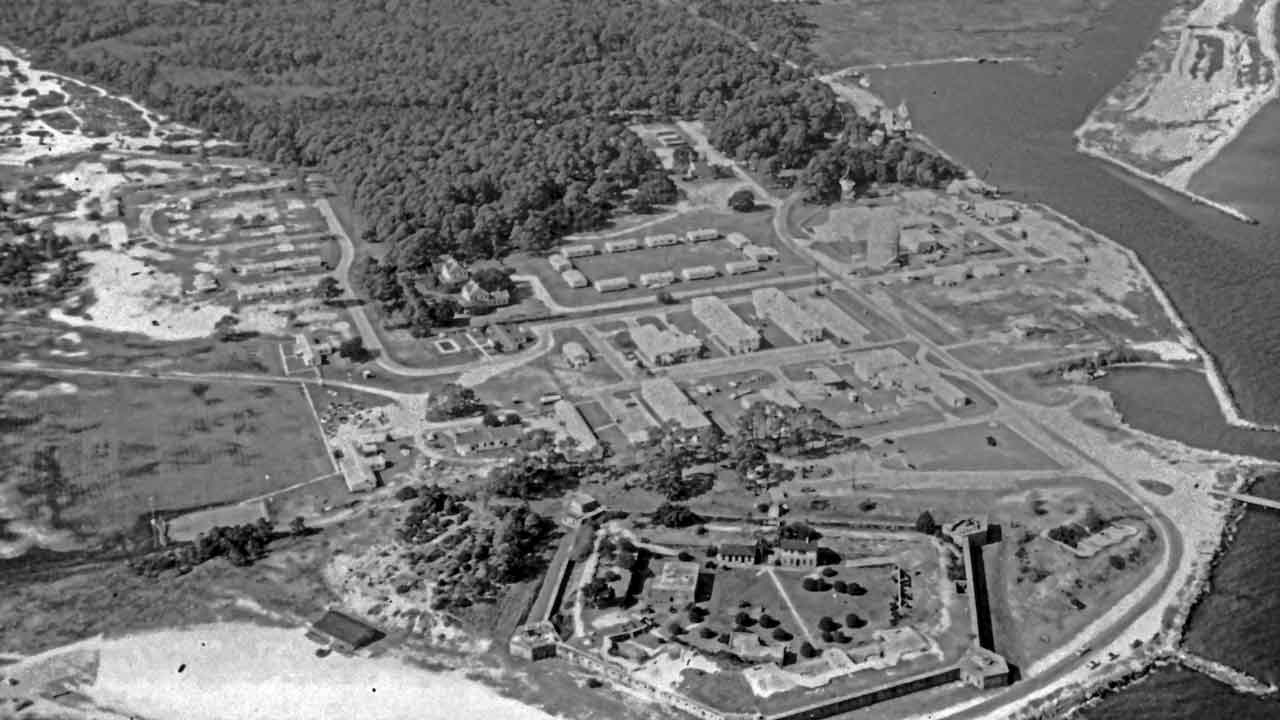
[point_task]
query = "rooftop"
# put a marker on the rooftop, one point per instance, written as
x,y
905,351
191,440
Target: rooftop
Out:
x,y
798,546
347,629
675,575
653,343
775,304
722,320
670,403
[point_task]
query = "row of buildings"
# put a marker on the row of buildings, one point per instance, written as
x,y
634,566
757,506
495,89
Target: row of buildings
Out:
x,y
754,257
669,346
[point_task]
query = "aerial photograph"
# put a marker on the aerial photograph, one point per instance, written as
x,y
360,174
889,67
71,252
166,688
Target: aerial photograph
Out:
x,y
639,359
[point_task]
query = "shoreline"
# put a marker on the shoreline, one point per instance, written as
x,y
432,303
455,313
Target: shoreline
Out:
x,y
1217,383
1177,655
1179,179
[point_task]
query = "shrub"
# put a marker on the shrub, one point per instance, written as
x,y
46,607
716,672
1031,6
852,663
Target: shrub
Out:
x,y
1116,561
810,583
853,621
808,650
826,624
780,634
840,586
828,572
707,633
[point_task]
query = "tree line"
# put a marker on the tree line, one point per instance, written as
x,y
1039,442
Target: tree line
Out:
x,y
470,127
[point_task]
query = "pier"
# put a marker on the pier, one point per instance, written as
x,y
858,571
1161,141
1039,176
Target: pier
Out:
x,y
1241,681
1245,498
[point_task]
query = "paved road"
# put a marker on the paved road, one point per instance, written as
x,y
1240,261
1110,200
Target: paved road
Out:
x,y
1036,424
209,377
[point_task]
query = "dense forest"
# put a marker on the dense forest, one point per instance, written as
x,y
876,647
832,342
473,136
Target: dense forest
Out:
x,y
475,127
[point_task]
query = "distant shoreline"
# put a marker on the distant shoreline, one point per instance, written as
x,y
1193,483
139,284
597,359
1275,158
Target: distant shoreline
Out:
x,y
1221,391
1179,178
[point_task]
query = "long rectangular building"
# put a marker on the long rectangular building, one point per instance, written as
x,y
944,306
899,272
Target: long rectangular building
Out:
x,y
725,325
835,319
575,425
773,305
670,404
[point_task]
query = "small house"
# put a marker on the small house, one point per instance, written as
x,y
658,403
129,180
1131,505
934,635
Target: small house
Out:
x,y
343,632
560,263
760,253
474,296
576,355
738,240
452,273
702,235
739,554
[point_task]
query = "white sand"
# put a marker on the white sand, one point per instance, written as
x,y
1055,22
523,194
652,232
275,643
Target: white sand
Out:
x,y
129,295
238,671
1169,351
51,390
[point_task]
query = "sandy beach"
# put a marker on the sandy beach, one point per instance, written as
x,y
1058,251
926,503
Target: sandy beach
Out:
x,y
246,672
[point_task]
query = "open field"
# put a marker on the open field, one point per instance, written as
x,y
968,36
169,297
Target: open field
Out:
x,y
852,33
87,461
979,446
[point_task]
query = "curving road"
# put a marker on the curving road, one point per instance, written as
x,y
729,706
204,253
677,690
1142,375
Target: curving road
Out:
x,y
542,343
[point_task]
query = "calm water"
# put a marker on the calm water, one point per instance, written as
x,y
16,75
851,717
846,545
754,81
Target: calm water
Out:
x,y
1165,693
1013,124
1179,404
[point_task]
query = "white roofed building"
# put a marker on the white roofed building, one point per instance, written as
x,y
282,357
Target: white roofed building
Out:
x,y
574,251
699,272
657,279
725,325
670,404
613,284
773,305
664,347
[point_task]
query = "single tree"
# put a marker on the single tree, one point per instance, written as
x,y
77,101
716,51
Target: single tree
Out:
x,y
328,289
742,201
353,349
926,524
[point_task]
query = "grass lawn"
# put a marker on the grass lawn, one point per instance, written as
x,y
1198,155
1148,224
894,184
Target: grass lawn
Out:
x,y
881,330
872,607
967,448
750,585
113,449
